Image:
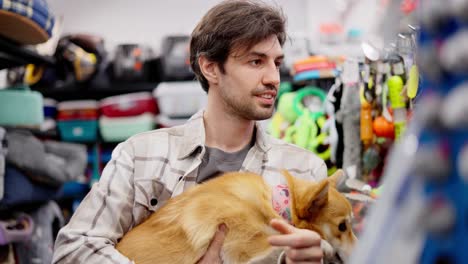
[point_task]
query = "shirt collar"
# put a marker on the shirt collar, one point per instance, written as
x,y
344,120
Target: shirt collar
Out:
x,y
194,136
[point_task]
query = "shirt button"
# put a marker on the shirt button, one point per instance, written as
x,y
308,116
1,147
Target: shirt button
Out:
x,y
154,202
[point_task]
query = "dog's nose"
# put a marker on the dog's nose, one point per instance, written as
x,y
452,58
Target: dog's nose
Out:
x,y
338,258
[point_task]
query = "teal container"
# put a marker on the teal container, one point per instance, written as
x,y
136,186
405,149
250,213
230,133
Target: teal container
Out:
x,y
78,130
19,106
116,129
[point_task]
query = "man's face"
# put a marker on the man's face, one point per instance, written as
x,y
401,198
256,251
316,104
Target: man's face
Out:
x,y
249,86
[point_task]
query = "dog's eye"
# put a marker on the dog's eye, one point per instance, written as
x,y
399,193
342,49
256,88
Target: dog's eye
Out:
x,y
342,226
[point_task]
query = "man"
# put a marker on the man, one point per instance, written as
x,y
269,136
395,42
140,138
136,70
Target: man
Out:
x,y
235,52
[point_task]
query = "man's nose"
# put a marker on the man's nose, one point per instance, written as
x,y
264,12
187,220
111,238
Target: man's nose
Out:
x,y
271,75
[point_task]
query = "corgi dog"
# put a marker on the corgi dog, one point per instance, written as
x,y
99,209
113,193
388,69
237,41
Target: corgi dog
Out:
x,y
182,229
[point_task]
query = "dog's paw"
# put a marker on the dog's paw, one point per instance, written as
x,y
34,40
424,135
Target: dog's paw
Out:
x,y
330,255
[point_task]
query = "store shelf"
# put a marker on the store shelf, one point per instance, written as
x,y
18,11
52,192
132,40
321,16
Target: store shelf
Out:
x,y
79,91
13,55
51,134
104,84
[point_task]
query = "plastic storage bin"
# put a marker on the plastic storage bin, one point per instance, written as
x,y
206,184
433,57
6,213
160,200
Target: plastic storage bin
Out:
x,y
77,120
80,109
128,105
78,130
165,121
180,99
50,108
19,106
120,128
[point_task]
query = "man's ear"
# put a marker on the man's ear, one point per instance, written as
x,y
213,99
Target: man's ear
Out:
x,y
209,69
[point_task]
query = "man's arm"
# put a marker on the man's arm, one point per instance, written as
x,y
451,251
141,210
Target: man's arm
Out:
x,y
103,216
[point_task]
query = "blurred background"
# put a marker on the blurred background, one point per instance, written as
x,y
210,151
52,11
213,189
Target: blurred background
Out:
x,y
375,87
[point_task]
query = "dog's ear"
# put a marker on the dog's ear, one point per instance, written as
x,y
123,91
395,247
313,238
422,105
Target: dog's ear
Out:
x,y
300,195
319,198
336,178
308,197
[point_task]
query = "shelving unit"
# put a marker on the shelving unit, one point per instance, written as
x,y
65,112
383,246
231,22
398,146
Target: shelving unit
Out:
x,y
77,91
104,84
13,55
38,133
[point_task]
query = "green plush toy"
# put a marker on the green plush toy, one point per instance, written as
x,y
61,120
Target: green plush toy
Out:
x,y
286,107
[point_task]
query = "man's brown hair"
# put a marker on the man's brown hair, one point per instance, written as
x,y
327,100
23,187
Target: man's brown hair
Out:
x,y
233,25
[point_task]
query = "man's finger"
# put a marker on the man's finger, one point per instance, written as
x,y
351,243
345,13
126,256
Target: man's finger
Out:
x,y
294,240
213,253
281,240
281,226
218,239
309,254
303,262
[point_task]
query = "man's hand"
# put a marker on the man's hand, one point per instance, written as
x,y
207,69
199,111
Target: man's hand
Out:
x,y
302,245
213,253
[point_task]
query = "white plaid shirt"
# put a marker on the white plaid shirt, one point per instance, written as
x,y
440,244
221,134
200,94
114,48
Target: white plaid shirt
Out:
x,y
148,169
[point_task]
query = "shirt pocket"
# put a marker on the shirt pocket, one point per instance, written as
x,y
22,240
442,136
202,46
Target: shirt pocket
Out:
x,y
149,196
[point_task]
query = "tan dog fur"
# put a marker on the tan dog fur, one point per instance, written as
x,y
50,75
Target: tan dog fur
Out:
x,y
182,229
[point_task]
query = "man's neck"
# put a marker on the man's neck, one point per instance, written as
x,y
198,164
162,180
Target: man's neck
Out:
x,y
227,132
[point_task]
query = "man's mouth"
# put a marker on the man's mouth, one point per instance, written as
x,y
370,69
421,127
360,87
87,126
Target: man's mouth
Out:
x,y
267,99
267,96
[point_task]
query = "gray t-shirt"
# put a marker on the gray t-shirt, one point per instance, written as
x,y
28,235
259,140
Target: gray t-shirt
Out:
x,y
216,161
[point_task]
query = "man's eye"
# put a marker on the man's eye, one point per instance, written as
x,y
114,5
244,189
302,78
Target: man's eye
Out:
x,y
342,226
255,62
